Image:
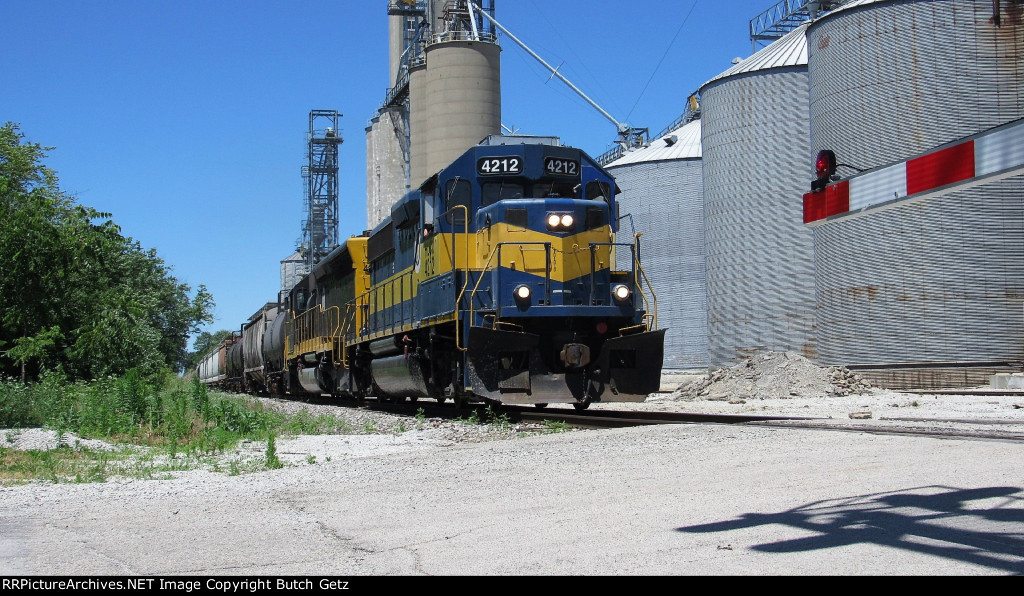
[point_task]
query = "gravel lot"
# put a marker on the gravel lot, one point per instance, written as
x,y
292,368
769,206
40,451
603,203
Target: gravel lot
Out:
x,y
390,433
776,384
401,495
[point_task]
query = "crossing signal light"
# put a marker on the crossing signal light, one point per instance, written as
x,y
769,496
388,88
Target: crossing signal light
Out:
x,y
824,168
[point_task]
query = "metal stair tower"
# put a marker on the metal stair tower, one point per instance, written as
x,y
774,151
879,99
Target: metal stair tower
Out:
x,y
320,228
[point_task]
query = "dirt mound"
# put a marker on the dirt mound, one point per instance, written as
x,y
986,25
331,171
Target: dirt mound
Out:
x,y
774,375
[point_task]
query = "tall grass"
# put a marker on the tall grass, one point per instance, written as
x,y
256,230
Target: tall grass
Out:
x,y
175,416
179,415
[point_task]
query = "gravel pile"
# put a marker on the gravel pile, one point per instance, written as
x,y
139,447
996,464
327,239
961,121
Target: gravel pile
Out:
x,y
773,375
39,439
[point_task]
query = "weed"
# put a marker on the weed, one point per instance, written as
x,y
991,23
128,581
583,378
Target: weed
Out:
x,y
201,400
304,423
183,419
499,420
555,426
401,427
311,459
369,427
273,463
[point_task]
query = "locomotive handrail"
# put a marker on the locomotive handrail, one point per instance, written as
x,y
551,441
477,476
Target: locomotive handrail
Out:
x,y
653,303
650,305
314,323
458,299
383,320
347,327
469,256
546,246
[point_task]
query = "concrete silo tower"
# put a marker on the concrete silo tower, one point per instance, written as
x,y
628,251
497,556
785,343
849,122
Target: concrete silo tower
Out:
x,y
445,98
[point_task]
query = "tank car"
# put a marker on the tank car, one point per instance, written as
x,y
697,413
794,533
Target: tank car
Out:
x,y
255,334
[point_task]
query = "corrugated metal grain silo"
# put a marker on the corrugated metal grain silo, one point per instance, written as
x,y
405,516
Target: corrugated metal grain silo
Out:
x,y
663,192
938,281
759,255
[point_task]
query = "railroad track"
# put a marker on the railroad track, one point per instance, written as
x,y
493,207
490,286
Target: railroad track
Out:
x,y
598,419
616,418
979,429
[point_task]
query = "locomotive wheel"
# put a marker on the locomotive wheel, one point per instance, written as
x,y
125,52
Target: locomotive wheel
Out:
x,y
540,406
581,405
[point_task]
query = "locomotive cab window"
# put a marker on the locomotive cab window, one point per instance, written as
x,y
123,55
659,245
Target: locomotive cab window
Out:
x,y
599,191
562,190
500,191
457,192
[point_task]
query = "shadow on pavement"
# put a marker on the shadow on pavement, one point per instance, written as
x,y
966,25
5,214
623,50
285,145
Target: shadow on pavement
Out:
x,y
983,526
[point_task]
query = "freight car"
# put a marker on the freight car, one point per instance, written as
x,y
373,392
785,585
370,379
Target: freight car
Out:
x,y
498,279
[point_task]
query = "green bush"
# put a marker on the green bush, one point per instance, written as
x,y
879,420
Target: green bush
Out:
x,y
15,405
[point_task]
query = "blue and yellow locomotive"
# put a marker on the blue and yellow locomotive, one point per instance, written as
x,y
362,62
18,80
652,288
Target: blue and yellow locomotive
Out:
x,y
498,279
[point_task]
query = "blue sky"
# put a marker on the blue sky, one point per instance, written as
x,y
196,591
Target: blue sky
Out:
x,y
187,119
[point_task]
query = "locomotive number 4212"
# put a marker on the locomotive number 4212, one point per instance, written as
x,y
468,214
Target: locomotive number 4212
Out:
x,y
499,165
562,167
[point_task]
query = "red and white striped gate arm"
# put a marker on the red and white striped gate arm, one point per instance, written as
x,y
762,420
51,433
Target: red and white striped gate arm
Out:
x,y
991,155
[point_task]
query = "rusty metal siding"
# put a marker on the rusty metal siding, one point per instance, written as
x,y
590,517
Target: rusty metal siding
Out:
x,y
892,79
759,255
665,200
941,280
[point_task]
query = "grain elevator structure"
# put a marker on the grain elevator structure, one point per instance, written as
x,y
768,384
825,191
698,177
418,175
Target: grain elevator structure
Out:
x,y
445,96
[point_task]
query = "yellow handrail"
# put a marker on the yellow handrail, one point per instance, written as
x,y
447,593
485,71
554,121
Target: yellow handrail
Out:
x,y
472,295
648,304
346,327
314,324
386,287
469,256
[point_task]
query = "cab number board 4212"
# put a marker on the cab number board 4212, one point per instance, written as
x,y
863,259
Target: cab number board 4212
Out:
x,y
491,166
561,167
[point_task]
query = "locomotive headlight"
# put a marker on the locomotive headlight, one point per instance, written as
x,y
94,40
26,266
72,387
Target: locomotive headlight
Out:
x,y
522,293
560,221
621,292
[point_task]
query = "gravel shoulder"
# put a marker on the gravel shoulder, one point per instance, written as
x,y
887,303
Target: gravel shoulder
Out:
x,y
772,384
429,496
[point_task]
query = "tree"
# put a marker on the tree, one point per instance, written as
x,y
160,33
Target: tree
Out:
x,y
74,293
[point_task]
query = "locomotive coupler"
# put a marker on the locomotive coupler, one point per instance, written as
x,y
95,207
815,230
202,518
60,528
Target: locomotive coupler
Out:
x,y
575,355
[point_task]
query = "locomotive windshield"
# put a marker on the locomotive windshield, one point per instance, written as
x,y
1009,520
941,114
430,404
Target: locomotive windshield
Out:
x,y
564,190
500,191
